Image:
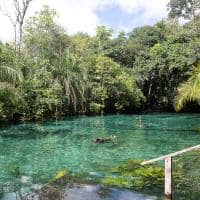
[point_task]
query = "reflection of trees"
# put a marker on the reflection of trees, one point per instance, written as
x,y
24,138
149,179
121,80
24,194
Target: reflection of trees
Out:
x,y
33,131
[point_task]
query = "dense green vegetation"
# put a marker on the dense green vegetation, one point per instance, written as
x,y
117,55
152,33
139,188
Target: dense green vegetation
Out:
x,y
150,178
56,74
189,90
132,175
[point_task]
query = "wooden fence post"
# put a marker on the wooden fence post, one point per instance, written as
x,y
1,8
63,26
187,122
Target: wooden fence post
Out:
x,y
168,178
168,168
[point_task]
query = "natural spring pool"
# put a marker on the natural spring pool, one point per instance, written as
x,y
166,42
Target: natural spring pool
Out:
x,y
31,154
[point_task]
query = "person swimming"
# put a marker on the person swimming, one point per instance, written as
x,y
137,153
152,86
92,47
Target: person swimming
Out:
x,y
112,138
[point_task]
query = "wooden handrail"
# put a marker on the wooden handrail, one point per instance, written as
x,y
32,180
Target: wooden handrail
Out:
x,y
168,168
177,153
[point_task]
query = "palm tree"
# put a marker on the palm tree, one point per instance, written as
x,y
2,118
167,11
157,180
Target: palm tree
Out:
x,y
72,77
189,90
9,75
8,79
8,92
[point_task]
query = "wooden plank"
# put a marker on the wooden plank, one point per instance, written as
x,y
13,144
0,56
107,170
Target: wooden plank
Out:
x,y
171,155
168,178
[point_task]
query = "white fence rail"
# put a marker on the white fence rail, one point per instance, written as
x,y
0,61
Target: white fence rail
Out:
x,y
168,168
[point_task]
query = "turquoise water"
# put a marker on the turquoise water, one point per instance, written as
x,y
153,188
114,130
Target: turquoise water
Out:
x,y
33,153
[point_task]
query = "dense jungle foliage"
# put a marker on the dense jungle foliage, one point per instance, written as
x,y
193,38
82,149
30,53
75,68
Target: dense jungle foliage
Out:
x,y
56,74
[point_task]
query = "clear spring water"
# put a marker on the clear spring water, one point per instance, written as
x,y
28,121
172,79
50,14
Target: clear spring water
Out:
x,y
37,151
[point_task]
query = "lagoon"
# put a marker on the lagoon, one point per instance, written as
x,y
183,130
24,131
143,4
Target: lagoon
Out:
x,y
31,154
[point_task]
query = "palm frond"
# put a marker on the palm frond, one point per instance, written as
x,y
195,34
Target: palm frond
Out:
x,y
72,77
11,75
188,91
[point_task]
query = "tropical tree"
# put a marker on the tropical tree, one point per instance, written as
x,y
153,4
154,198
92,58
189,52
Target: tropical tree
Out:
x,y
188,91
43,37
17,18
40,95
184,8
9,74
8,65
102,39
10,77
112,88
69,74
72,76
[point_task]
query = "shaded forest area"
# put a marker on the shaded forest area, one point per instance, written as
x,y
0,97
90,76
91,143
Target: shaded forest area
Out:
x,y
49,73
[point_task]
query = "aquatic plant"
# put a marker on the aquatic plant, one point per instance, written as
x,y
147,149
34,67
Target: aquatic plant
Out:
x,y
150,178
186,175
133,175
61,174
40,176
14,170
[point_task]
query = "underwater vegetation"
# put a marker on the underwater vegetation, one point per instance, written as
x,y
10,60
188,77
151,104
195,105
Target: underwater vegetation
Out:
x,y
32,132
133,175
150,178
186,178
33,156
14,169
61,174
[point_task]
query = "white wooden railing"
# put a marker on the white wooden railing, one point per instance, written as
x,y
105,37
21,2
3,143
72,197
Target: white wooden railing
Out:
x,y
168,168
